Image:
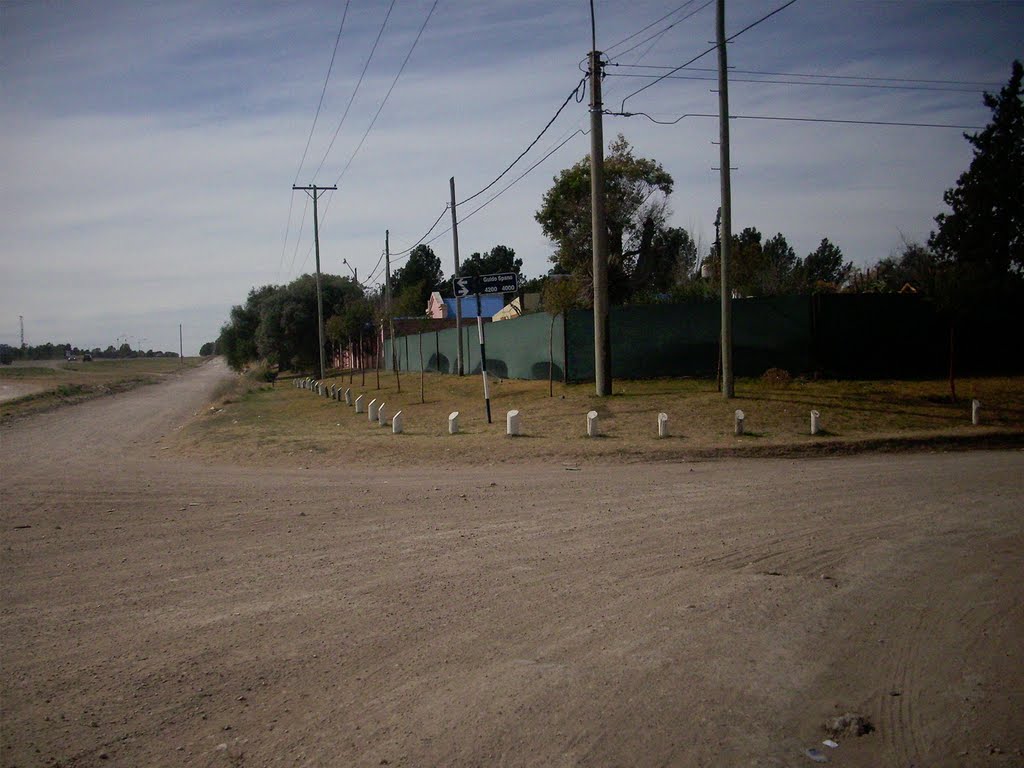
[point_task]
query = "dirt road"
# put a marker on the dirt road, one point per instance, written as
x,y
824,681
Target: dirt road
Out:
x,y
158,611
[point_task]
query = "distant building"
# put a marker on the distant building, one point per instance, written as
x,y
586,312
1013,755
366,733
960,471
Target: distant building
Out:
x,y
514,309
442,308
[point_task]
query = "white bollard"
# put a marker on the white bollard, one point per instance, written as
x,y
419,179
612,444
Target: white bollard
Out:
x,y
512,423
382,416
453,423
662,425
975,412
739,422
814,422
592,424
371,410
327,392
359,403
396,423
348,396
332,391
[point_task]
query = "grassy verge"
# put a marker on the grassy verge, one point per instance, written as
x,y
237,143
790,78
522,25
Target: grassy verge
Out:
x,y
282,424
42,387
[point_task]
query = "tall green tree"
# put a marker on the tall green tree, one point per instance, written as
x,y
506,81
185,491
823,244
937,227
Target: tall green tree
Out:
x,y
413,282
500,258
985,224
636,194
824,268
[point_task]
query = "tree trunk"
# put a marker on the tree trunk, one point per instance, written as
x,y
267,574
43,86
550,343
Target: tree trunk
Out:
x,y
952,370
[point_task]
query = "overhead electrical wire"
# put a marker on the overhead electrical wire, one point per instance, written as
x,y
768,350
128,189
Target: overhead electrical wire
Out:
x,y
611,48
622,106
312,128
579,93
874,86
983,83
666,29
797,120
355,90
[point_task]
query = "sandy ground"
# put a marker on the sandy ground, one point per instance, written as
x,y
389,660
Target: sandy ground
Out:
x,y
160,611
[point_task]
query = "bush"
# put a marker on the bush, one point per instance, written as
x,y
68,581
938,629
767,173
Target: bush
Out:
x,y
261,372
776,376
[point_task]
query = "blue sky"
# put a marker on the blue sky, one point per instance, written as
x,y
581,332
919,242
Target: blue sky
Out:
x,y
149,148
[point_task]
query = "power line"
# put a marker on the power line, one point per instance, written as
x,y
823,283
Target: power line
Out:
x,y
298,239
425,234
983,83
798,120
576,92
666,29
355,91
750,26
312,128
876,86
656,21
323,91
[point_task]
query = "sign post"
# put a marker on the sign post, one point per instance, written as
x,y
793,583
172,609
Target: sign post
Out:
x,y
499,283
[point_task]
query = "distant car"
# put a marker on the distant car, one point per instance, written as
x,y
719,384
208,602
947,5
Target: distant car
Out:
x,y
86,358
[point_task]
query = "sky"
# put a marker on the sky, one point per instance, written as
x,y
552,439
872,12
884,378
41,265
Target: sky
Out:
x,y
148,149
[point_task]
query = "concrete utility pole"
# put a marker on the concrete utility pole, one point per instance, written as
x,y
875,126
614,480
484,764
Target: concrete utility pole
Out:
x,y
314,192
599,230
458,299
21,323
728,389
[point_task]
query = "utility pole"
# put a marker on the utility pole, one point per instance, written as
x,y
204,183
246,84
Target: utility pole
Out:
x,y
314,192
387,298
21,323
599,230
458,299
181,345
728,390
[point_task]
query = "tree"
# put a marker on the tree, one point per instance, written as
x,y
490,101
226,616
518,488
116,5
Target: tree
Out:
x,y
824,269
668,258
412,284
561,294
985,224
979,244
500,258
209,348
636,192
781,268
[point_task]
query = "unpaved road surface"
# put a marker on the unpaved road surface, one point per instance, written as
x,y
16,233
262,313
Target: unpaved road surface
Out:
x,y
157,611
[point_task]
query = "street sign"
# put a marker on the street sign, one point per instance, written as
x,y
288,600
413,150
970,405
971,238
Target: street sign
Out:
x,y
501,282
464,286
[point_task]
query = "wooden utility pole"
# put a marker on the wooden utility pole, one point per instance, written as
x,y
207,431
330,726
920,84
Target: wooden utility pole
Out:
x,y
726,235
314,192
599,230
181,345
458,299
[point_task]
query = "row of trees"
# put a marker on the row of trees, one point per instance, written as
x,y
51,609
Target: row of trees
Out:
x,y
51,351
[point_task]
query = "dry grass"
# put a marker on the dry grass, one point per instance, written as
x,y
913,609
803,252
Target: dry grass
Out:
x,y
49,384
272,424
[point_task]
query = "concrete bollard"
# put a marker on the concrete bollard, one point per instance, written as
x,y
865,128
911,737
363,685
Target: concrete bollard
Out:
x,y
975,412
662,425
739,422
382,415
359,403
592,424
332,391
396,424
348,396
512,423
453,423
371,410
815,427
327,391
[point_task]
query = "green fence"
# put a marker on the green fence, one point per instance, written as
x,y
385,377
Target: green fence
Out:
x,y
516,349
845,335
